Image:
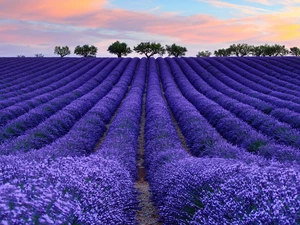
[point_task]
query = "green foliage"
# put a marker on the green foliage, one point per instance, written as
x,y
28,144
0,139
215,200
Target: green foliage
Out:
x,y
222,52
119,49
274,50
149,49
295,51
21,56
39,55
267,50
86,51
240,49
257,51
281,50
205,53
176,50
62,51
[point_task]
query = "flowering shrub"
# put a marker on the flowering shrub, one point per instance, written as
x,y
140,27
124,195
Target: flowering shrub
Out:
x,y
85,190
182,185
54,113
230,127
260,121
223,191
121,141
60,123
53,101
225,77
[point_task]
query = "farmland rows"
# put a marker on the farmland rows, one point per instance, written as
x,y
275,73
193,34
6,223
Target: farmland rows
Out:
x,y
15,68
240,133
221,140
32,76
61,122
266,87
74,86
32,92
273,102
275,76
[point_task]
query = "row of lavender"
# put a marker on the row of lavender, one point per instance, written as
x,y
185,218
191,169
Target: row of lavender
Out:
x,y
186,188
232,81
237,122
45,185
231,186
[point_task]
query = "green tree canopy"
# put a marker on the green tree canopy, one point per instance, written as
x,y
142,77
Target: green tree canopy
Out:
x,y
86,51
280,50
149,49
257,51
39,55
205,53
119,49
176,50
62,51
295,51
240,49
223,52
274,50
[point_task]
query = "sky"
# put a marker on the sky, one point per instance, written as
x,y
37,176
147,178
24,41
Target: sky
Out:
x,y
29,27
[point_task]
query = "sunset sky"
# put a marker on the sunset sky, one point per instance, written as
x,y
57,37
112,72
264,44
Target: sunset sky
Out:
x,y
28,27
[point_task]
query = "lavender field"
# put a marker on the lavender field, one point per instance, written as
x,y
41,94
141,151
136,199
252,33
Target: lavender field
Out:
x,y
219,139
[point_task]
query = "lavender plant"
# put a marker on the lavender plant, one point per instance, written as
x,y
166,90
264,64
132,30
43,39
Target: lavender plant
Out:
x,y
121,141
40,112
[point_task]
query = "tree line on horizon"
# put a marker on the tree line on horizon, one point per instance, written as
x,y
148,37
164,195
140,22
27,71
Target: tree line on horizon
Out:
x,y
150,49
241,50
120,49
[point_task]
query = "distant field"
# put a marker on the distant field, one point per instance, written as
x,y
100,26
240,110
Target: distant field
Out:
x,y
218,137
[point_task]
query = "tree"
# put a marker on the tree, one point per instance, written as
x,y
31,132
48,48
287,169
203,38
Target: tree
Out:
x,y
267,50
21,56
62,51
257,50
295,51
86,50
240,49
223,52
149,49
274,50
39,55
176,50
119,49
205,53
280,50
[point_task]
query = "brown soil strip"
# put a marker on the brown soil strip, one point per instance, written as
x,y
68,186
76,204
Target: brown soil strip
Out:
x,y
100,142
148,213
178,130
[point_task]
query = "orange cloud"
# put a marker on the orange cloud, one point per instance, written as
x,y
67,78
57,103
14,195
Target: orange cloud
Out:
x,y
282,26
48,9
69,22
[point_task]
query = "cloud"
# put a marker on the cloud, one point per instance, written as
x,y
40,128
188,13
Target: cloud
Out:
x,y
275,2
153,9
262,2
48,10
244,9
35,23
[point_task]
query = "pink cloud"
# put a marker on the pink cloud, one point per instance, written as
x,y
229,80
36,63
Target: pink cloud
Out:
x,y
48,10
80,22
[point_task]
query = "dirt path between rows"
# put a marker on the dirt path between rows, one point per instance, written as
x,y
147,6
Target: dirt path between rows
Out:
x,y
148,213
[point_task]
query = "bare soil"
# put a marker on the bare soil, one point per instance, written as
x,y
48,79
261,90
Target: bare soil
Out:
x,y
148,213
